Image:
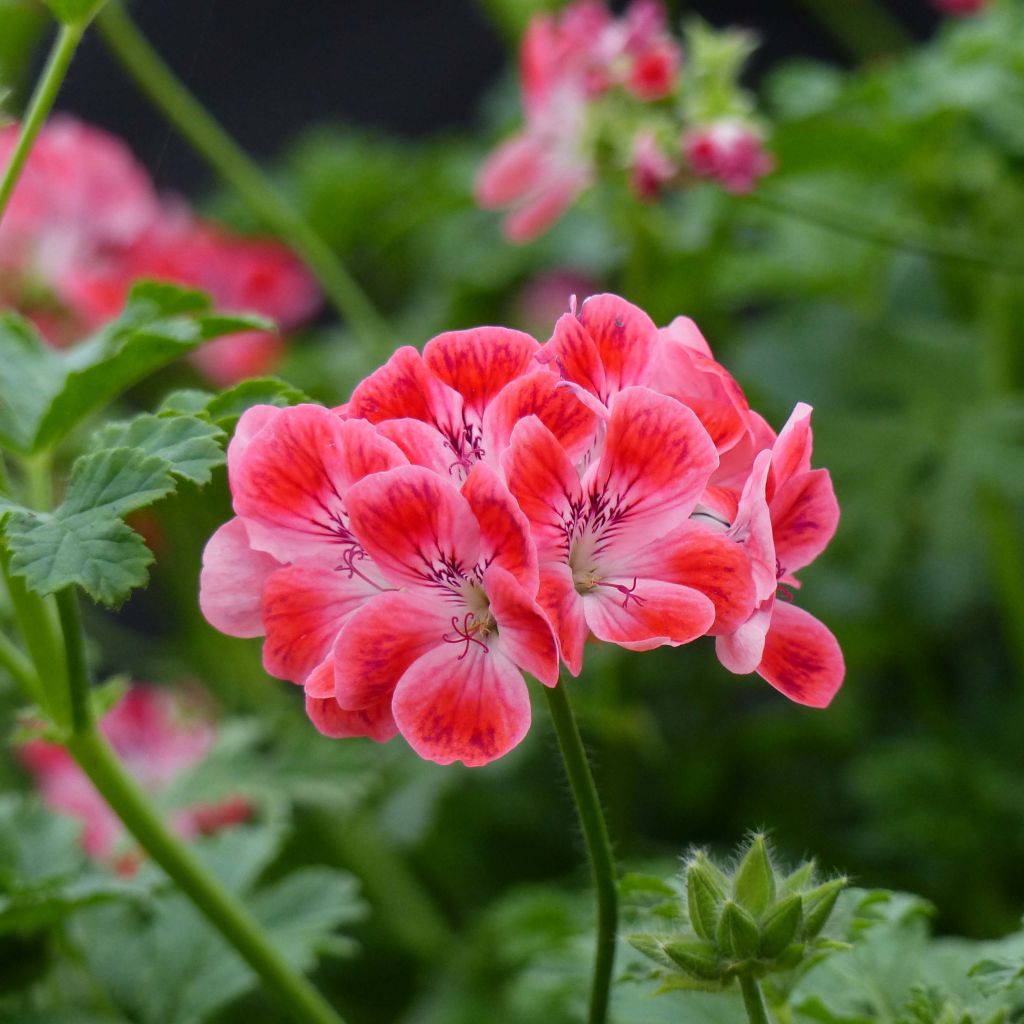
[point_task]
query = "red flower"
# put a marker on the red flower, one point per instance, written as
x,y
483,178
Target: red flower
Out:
x,y
158,735
729,151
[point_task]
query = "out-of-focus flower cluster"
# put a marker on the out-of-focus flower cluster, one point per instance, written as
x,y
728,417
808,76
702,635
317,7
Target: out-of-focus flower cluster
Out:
x,y
960,7
158,736
484,508
85,221
604,94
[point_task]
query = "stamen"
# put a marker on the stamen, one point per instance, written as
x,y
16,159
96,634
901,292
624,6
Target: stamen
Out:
x,y
464,633
785,593
348,564
623,589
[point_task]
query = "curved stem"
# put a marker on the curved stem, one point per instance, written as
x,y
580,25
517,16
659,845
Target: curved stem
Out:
x,y
595,832
79,704
228,159
894,235
221,908
753,1001
19,668
39,107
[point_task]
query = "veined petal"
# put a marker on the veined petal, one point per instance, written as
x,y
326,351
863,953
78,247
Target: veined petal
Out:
x,y
539,394
752,528
707,560
380,641
331,719
563,607
422,444
742,650
625,337
573,352
791,453
479,362
404,387
504,531
545,483
304,607
417,527
656,461
802,658
804,514
231,581
642,614
472,707
289,483
524,634
250,423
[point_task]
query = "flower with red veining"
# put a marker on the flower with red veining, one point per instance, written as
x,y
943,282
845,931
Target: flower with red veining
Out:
x,y
158,736
730,152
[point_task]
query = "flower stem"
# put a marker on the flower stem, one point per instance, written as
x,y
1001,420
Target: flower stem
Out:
x,y
39,107
19,668
595,833
224,910
227,158
753,1001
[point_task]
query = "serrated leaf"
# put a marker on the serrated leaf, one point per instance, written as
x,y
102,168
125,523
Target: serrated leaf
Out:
x,y
186,401
44,393
190,447
225,409
85,542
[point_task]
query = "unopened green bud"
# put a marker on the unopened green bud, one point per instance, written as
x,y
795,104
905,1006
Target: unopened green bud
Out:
x,y
800,879
780,924
704,895
737,933
818,905
698,959
790,957
754,883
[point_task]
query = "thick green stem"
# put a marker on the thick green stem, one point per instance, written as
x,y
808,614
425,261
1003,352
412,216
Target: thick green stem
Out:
x,y
219,150
19,668
79,704
753,1000
221,908
595,833
40,105
911,237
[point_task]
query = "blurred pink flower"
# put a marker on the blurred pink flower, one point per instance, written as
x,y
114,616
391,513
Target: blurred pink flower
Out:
x,y
960,7
158,735
650,167
730,152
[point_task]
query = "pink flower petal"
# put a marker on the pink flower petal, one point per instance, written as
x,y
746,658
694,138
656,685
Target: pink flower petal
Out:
x,y
231,581
524,633
416,526
380,641
805,515
802,658
574,353
471,708
647,613
510,172
422,444
504,531
331,719
625,337
742,650
563,607
791,453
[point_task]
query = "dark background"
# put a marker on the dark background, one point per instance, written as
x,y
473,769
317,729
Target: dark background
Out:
x,y
267,68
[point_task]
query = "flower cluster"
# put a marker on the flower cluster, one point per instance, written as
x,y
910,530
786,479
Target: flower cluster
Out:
x,y
594,84
86,221
481,509
158,736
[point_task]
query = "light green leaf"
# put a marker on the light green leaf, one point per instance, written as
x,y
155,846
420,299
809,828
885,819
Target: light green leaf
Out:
x,y
189,446
226,408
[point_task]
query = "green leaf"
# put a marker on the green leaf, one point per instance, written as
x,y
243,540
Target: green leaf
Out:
x,y
190,447
74,12
85,542
754,882
44,394
227,407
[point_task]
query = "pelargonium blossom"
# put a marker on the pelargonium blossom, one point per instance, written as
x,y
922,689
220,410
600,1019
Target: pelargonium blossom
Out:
x,y
482,509
728,151
85,222
158,736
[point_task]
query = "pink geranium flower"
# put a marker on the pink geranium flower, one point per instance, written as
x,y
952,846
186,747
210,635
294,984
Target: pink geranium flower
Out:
x,y
649,167
158,736
729,151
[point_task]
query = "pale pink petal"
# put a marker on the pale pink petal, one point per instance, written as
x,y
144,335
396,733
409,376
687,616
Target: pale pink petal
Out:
x,y
685,332
741,651
381,640
422,444
415,525
791,453
331,719
524,633
510,172
504,531
752,528
304,607
805,515
472,707
544,482
251,422
642,614
289,483
546,205
541,394
479,362
320,682
802,658
231,581
563,607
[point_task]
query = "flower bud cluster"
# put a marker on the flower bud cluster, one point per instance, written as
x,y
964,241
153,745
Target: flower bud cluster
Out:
x,y
750,922
602,94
